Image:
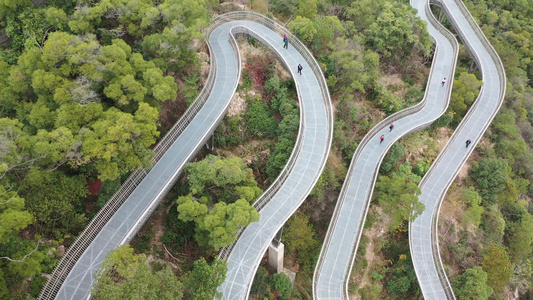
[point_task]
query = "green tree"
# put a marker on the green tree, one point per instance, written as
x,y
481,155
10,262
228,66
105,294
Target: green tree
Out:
x,y
202,282
493,224
13,216
217,225
125,275
281,283
399,198
57,95
279,157
307,8
465,90
389,102
327,28
472,285
520,237
12,151
475,210
497,264
522,276
397,33
398,284
191,209
220,225
55,199
228,173
363,13
491,176
12,7
355,68
303,28
299,236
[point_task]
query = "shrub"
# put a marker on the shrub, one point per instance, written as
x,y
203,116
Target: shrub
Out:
x,y
281,283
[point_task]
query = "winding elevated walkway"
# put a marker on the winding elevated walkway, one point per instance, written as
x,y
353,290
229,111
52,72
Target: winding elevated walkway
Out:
x,y
121,218
344,233
423,237
305,165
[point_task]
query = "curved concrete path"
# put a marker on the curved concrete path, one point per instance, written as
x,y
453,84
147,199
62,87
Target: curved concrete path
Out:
x,y
340,246
307,162
423,237
316,131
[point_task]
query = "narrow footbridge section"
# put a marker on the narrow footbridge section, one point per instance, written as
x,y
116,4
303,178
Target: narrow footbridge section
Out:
x,y
305,165
344,233
423,237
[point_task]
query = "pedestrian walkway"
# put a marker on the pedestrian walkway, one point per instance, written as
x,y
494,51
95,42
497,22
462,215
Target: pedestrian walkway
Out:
x,y
423,237
344,233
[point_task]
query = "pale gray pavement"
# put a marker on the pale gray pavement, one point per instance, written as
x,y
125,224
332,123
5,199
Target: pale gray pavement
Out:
x,y
338,252
422,231
249,249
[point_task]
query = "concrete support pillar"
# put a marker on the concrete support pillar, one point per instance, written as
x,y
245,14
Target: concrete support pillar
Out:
x,y
275,257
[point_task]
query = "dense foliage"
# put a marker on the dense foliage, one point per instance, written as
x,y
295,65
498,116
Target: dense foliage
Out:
x,y
82,84
220,198
82,89
126,275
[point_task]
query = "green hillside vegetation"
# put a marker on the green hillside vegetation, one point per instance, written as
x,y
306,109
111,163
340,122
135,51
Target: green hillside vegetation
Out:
x,y
488,247
88,87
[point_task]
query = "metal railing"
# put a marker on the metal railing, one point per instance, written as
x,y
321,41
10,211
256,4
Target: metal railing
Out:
x,y
366,139
75,251
298,45
501,74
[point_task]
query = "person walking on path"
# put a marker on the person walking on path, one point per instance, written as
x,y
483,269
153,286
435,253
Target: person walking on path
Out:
x,y
300,69
381,138
443,81
468,142
285,42
391,127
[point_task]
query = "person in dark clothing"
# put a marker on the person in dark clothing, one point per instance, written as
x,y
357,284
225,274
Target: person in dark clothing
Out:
x,y
468,142
391,127
381,139
443,81
285,42
300,69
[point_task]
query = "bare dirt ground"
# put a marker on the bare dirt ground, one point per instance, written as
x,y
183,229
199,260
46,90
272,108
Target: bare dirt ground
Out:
x,y
374,235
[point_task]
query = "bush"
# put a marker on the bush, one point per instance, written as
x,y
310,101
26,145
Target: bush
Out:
x,y
260,286
398,284
281,283
421,168
36,284
389,162
491,176
261,121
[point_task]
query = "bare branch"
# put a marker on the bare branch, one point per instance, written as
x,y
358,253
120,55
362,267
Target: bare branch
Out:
x,y
23,260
